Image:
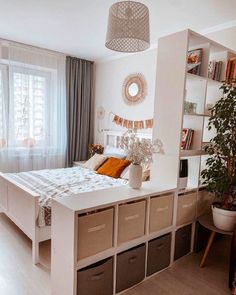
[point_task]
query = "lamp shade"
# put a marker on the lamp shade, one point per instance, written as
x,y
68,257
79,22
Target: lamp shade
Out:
x,y
128,27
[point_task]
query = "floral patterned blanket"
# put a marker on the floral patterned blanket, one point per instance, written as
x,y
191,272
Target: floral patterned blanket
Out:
x,y
55,183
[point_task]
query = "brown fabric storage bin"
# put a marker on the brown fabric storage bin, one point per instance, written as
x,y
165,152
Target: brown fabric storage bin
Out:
x,y
161,212
130,268
204,201
186,210
183,241
95,233
131,221
96,279
158,254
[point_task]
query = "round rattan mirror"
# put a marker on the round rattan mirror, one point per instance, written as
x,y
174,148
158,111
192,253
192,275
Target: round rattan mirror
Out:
x,y
134,89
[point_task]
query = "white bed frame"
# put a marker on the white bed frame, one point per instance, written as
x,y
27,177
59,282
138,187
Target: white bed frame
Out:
x,y
21,205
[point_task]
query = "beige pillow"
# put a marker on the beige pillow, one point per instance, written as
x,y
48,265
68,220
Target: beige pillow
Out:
x,y
95,162
145,174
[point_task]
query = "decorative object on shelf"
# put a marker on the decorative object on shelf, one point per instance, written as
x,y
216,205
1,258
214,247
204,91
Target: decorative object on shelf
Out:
x,y
95,149
208,108
139,152
231,69
194,61
215,69
190,108
183,174
130,124
187,137
134,89
128,27
220,173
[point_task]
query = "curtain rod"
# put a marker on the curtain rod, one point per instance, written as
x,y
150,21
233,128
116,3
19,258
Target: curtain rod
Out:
x,y
43,49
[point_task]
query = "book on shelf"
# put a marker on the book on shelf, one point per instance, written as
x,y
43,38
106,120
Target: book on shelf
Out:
x,y
187,137
231,69
215,69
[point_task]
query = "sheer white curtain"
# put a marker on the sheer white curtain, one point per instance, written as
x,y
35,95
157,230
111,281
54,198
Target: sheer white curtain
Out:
x,y
32,108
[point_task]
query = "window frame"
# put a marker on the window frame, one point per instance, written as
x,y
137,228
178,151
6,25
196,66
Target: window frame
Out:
x,y
49,145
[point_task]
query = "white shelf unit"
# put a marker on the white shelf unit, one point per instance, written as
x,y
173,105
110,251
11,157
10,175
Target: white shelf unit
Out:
x,y
174,85
65,234
169,116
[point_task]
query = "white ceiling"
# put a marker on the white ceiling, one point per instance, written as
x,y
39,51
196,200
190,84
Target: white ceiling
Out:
x,y
78,27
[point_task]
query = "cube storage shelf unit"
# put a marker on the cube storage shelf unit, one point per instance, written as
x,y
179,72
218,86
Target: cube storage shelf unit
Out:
x,y
106,241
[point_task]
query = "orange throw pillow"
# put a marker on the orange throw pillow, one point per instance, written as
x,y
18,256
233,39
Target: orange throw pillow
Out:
x,y
113,167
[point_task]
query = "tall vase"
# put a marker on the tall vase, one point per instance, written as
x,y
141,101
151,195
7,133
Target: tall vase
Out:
x,y
135,176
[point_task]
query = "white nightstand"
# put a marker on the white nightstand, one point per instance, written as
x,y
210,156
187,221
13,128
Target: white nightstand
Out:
x,y
78,163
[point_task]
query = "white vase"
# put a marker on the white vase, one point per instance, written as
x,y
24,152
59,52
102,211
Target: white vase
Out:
x,y
224,219
135,176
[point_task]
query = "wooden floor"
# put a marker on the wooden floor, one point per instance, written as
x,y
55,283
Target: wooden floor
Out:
x,y
19,277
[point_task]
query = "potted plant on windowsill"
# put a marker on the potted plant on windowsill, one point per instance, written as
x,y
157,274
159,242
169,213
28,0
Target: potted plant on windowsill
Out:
x,y
220,173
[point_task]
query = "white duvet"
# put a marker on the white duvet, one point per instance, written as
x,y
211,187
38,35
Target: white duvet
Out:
x,y
56,183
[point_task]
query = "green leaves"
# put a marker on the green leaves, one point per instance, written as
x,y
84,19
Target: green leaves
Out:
x,y
219,176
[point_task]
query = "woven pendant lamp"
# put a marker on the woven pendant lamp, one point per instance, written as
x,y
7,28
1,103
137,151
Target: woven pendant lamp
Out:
x,y
128,27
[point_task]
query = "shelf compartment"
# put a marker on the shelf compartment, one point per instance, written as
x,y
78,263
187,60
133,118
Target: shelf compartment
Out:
x,y
96,279
158,254
130,268
161,212
131,221
186,209
204,201
183,241
95,233
197,115
192,153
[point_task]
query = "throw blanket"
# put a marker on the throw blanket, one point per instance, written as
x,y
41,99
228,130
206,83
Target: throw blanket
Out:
x,y
56,183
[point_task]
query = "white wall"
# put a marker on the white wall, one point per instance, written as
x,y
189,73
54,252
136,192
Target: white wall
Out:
x,y
111,74
226,37
108,91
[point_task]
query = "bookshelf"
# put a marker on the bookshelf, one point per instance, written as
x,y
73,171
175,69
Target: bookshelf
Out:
x,y
170,116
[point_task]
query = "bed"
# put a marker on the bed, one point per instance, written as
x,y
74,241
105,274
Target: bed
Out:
x,y
25,197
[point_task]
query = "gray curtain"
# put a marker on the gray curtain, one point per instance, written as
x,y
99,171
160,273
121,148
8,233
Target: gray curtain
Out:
x,y
80,108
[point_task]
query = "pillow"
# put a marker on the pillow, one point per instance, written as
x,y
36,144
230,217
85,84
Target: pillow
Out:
x,y
145,174
114,152
113,167
125,173
95,162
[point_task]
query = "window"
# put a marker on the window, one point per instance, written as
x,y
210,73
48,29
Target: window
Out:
x,y
31,106
3,106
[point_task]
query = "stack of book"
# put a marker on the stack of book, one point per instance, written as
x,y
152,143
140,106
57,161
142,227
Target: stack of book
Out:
x,y
187,137
214,70
231,69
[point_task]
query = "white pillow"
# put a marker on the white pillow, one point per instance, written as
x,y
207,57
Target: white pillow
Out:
x,y
114,152
95,162
125,173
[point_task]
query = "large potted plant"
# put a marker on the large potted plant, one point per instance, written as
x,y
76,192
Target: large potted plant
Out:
x,y
220,173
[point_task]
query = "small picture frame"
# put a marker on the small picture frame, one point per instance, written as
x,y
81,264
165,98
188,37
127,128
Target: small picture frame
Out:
x,y
194,61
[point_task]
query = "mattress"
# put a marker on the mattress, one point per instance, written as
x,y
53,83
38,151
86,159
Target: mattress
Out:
x,y
56,183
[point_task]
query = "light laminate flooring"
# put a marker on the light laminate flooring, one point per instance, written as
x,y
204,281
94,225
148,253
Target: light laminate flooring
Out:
x,y
18,276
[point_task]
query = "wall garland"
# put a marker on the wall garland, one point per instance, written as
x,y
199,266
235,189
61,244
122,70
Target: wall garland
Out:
x,y
130,124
